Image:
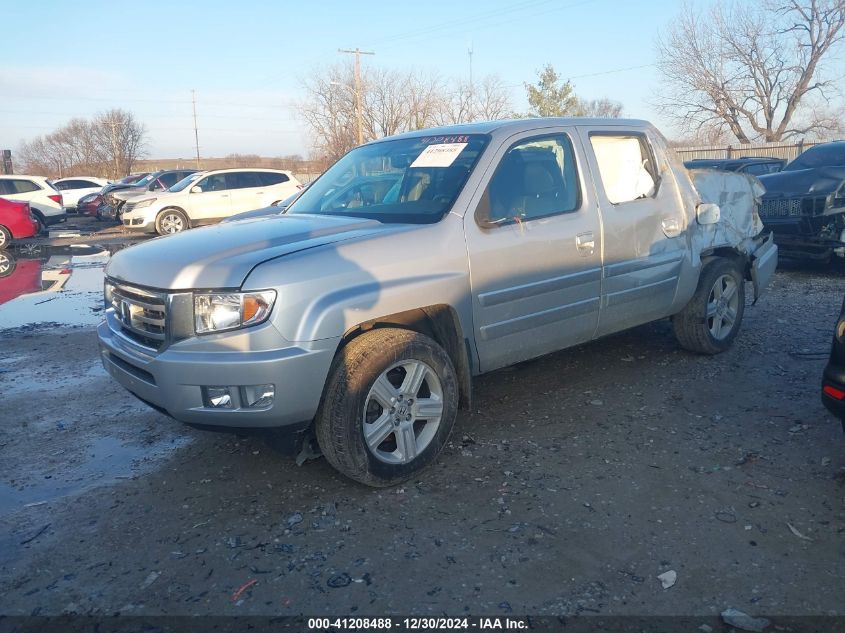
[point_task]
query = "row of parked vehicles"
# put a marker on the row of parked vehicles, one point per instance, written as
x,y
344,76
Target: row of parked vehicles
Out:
x,y
160,202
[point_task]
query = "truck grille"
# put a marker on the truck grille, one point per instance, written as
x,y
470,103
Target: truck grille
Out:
x,y
780,208
142,314
792,207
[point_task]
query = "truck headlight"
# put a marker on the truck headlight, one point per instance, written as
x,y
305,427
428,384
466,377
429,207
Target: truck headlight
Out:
x,y
219,311
144,203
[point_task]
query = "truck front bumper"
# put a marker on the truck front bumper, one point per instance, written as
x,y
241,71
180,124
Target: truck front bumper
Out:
x,y
178,379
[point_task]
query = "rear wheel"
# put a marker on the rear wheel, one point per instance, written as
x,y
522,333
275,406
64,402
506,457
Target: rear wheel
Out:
x,y
7,264
5,237
709,323
171,221
39,218
388,408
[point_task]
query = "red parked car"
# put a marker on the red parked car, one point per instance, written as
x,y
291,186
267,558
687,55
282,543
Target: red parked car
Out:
x,y
16,222
89,204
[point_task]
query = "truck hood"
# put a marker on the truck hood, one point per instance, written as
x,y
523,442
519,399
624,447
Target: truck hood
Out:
x,y
818,181
221,256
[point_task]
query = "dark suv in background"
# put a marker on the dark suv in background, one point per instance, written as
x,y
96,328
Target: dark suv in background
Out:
x,y
804,205
754,165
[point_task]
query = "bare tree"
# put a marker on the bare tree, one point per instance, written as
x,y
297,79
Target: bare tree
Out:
x,y
756,70
108,145
603,108
329,110
393,101
122,137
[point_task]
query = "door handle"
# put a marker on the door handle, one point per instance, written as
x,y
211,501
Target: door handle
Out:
x,y
671,227
586,243
224,195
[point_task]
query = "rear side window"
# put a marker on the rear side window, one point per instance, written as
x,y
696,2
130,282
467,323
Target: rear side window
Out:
x,y
6,187
536,178
244,180
626,165
269,178
23,186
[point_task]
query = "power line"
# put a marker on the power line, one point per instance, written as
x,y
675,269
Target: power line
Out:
x,y
454,28
476,18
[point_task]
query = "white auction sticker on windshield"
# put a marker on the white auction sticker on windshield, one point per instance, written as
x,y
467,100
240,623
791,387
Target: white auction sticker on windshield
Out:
x,y
440,155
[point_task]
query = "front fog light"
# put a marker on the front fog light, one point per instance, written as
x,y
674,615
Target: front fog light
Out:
x,y
258,396
217,397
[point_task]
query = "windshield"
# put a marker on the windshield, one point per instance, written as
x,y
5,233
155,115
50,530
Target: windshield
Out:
x,y
819,156
187,180
413,180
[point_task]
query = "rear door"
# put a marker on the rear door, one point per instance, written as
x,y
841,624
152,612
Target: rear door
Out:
x,y
245,187
213,201
644,227
276,187
534,246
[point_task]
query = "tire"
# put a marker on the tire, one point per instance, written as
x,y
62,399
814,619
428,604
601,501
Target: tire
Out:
x,y
42,224
170,221
5,237
7,264
365,374
709,323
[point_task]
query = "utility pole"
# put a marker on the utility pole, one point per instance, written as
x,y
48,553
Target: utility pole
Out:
x,y
114,145
359,114
196,134
469,52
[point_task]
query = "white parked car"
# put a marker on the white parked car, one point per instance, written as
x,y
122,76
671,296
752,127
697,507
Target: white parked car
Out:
x,y
74,187
44,199
208,197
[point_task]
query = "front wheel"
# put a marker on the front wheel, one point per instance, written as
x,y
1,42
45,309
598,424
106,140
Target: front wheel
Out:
x,y
388,408
709,323
5,237
171,221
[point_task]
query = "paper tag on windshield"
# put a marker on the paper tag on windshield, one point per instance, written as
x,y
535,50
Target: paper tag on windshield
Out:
x,y
440,155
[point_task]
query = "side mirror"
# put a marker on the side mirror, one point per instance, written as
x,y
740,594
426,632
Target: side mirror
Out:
x,y
196,189
708,213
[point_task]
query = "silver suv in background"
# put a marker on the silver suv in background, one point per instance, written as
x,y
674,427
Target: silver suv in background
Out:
x,y
419,261
208,197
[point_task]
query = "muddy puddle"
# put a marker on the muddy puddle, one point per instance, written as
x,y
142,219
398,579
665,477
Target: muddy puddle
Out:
x,y
105,460
52,284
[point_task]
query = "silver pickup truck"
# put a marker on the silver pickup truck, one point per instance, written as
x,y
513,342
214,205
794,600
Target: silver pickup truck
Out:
x,y
360,315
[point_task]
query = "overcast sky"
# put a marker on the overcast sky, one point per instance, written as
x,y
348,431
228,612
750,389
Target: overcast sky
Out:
x,y
246,60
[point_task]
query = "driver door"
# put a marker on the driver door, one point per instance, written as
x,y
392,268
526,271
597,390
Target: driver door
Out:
x,y
214,199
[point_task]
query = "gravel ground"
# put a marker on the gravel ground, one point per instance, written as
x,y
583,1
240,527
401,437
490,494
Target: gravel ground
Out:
x,y
577,479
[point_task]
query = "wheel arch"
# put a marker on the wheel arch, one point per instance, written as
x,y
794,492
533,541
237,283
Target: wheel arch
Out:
x,y
439,322
742,260
174,207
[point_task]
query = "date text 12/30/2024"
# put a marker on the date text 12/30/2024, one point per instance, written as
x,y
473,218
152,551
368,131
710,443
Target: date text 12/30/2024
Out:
x,y
417,624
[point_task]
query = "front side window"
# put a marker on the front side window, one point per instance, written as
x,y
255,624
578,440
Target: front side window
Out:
x,y
217,182
412,180
536,178
168,180
628,171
